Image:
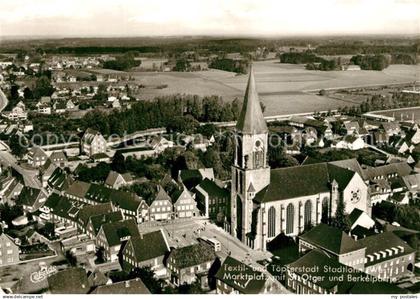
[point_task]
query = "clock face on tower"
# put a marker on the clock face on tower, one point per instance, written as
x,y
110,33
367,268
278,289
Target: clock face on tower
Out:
x,y
355,196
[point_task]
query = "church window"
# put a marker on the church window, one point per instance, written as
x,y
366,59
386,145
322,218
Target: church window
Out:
x,y
271,222
308,213
239,151
259,158
290,215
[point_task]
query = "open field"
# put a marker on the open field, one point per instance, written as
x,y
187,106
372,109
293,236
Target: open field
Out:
x,y
283,88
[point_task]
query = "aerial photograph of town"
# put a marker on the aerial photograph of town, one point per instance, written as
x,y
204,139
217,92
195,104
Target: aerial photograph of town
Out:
x,y
209,147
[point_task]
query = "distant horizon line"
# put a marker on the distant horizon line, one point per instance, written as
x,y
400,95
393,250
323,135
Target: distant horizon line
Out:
x,y
252,36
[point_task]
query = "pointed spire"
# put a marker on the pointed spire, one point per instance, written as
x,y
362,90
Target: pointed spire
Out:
x,y
251,120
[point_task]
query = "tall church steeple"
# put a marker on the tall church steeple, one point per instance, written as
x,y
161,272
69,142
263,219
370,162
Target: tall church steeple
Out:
x,y
251,119
250,171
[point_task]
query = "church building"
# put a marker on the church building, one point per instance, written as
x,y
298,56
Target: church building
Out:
x,y
266,202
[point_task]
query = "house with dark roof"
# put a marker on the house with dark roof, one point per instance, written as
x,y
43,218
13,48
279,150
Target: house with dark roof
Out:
x,y
185,264
11,187
31,199
59,181
335,243
112,236
184,205
69,281
46,171
161,208
36,157
360,218
59,158
77,190
235,277
192,177
388,256
132,286
212,199
62,210
88,211
117,180
146,250
93,143
317,273
95,222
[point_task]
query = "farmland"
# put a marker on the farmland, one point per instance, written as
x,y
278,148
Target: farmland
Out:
x,y
283,88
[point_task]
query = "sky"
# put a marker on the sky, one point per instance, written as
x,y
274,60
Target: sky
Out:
x,y
100,18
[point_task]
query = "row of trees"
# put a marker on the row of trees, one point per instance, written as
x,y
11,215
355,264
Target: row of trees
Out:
x,y
230,65
312,61
123,62
378,102
370,62
177,112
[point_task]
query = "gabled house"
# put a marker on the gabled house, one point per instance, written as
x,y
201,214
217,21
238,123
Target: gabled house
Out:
x,y
192,177
360,218
116,180
112,236
146,250
37,157
335,243
391,128
59,158
46,171
160,143
351,142
93,143
59,181
31,199
9,251
95,222
11,188
89,211
185,264
212,199
43,108
185,206
161,207
60,210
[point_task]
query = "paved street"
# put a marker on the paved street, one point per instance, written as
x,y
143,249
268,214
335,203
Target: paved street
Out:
x,y
29,175
182,233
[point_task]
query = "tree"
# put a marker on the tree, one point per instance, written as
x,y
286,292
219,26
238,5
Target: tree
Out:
x,y
17,145
71,259
340,219
100,255
118,163
207,130
182,65
27,93
14,95
43,87
147,275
